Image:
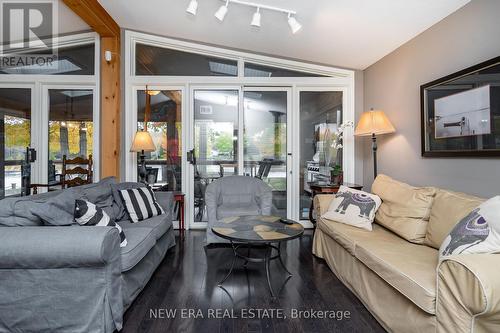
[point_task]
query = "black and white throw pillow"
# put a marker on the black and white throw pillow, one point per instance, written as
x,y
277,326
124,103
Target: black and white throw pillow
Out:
x,y
86,213
140,203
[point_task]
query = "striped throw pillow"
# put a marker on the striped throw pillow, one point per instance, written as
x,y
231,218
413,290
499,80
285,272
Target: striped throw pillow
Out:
x,y
86,213
140,203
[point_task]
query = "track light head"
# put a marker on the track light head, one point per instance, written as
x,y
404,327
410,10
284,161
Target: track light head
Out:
x,y
256,18
295,26
192,7
221,12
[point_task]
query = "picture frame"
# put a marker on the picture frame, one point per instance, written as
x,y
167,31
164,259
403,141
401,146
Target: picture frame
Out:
x,y
460,113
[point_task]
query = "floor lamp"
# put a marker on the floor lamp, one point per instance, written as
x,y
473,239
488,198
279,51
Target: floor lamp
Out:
x,y
142,143
374,122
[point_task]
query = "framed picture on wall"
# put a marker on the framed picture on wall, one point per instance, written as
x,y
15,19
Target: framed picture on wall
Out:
x,y
460,113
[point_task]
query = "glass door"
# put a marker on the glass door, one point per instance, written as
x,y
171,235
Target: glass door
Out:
x,y
159,111
221,148
265,149
15,139
215,149
320,114
71,128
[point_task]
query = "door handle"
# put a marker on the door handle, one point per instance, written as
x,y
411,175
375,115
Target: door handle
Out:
x,y
30,155
190,157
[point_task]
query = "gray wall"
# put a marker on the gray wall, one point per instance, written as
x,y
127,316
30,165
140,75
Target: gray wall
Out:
x,y
465,38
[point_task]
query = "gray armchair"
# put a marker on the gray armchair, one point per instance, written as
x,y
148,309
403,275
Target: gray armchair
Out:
x,y
235,196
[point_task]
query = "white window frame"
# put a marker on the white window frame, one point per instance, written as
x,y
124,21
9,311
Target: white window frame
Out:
x,y
40,84
335,79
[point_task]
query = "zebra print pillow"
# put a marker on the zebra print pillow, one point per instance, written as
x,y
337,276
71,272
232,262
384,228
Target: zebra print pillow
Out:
x,y
86,213
140,203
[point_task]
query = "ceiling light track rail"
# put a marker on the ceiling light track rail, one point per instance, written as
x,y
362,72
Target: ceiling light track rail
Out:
x,y
220,14
261,6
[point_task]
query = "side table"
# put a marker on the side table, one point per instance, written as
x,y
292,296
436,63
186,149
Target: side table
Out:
x,y
322,188
179,200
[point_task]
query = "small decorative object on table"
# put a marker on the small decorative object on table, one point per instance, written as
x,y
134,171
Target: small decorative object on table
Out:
x,y
333,152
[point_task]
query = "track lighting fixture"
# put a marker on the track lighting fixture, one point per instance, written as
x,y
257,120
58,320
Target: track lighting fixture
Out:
x,y
294,25
220,14
192,7
256,18
222,11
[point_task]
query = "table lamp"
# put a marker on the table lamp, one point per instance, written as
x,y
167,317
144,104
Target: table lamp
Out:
x,y
142,143
374,122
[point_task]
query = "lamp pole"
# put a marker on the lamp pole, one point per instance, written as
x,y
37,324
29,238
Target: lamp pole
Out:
x,y
374,149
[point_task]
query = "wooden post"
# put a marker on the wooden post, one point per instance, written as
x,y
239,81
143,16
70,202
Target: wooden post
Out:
x,y
101,22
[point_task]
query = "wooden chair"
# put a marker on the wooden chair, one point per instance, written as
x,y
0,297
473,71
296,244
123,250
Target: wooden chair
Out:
x,y
76,171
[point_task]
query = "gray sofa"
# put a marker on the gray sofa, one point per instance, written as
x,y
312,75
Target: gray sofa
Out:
x,y
69,278
235,196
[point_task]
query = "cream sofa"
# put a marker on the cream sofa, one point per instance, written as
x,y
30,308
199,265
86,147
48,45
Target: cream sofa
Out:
x,y
399,278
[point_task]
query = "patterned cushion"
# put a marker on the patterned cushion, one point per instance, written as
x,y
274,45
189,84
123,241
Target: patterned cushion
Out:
x,y
478,232
353,207
86,213
140,203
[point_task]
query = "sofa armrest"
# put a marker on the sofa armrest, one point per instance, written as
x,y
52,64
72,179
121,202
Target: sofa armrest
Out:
x,y
468,293
57,247
321,203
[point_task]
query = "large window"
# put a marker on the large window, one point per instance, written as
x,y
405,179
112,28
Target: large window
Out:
x,y
71,127
47,112
152,60
244,114
159,112
71,60
15,136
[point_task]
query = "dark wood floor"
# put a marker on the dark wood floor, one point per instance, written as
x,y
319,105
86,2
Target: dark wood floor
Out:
x,y
188,277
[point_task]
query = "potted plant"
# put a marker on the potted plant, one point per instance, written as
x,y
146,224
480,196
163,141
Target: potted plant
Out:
x,y
332,152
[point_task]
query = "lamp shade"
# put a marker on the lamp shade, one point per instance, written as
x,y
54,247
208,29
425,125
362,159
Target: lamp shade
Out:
x,y
374,122
142,141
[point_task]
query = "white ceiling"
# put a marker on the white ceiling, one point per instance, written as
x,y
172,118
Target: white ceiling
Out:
x,y
345,33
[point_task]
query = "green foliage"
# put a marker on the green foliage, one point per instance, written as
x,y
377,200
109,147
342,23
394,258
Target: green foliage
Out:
x,y
224,143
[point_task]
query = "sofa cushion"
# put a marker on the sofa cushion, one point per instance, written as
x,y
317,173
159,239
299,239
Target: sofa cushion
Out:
x,y
159,224
139,242
16,211
58,210
405,209
447,210
348,236
409,268
237,209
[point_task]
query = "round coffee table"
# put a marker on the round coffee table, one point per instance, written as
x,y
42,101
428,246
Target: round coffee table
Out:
x,y
257,230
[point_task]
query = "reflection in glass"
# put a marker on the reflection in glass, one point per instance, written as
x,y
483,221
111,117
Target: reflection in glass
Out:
x,y
254,70
319,111
153,60
215,141
264,142
72,60
15,136
70,127
162,112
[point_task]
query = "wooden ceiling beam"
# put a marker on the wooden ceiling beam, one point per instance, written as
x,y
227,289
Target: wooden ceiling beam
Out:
x,y
95,16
